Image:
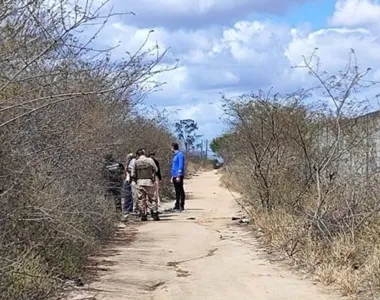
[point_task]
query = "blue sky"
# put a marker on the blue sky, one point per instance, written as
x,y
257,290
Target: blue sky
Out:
x,y
233,47
314,12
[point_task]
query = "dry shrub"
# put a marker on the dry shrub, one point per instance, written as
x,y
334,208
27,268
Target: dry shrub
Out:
x,y
194,166
309,171
191,168
63,106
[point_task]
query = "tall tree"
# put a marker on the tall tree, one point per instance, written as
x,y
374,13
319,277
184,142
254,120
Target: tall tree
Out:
x,y
186,131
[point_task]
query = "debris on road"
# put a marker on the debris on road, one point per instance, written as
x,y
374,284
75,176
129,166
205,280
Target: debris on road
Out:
x,y
242,220
245,221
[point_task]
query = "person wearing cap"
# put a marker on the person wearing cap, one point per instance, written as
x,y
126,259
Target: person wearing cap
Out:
x,y
113,174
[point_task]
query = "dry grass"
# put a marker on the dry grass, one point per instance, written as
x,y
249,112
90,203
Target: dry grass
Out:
x,y
308,173
353,267
195,165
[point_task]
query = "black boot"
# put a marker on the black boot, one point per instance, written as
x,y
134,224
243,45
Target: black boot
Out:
x,y
155,216
144,218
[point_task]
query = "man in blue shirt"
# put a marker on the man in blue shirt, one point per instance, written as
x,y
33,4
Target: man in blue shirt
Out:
x,y
178,174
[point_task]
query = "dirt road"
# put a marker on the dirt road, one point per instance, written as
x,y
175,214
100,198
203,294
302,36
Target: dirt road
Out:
x,y
197,254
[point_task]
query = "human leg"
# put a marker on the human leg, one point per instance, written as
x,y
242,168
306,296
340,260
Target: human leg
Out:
x,y
128,200
134,196
177,194
152,201
157,192
182,193
142,203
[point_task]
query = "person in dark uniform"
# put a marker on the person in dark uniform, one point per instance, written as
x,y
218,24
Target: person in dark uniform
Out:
x,y
113,173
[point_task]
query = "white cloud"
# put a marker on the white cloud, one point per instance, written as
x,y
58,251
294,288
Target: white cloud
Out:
x,y
174,82
247,55
334,45
255,42
334,48
356,13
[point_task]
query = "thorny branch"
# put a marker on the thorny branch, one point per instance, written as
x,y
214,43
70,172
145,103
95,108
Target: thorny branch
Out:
x,y
63,106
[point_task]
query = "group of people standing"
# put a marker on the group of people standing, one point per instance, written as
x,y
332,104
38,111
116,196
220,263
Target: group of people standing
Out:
x,y
135,187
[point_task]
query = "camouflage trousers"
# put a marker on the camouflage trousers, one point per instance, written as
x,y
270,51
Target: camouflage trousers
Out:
x,y
134,196
147,199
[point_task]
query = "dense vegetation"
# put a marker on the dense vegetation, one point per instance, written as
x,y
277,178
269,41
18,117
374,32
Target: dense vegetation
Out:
x,y
63,106
307,166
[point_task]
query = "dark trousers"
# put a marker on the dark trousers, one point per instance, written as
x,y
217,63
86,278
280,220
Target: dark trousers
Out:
x,y
127,197
179,193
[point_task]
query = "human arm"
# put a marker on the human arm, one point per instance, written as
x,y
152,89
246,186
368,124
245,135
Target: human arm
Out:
x,y
154,166
130,165
127,177
159,176
132,172
181,164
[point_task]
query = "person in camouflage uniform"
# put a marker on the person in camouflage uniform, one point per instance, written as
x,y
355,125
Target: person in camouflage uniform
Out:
x,y
143,173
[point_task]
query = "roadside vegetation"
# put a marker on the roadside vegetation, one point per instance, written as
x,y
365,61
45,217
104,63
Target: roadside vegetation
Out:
x,y
307,167
64,104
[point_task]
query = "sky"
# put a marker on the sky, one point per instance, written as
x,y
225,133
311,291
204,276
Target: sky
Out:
x,y
233,47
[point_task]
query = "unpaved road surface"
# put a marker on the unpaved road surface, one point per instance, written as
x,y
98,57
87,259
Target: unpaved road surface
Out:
x,y
194,255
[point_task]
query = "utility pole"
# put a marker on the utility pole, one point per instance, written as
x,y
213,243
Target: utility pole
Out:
x,y
206,149
201,149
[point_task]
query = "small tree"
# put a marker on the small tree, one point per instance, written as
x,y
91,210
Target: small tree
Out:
x,y
186,131
220,146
